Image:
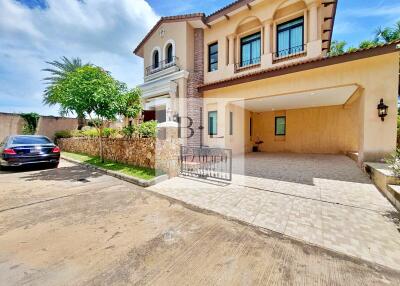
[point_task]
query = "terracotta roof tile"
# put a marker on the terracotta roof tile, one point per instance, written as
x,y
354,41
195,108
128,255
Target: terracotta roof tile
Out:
x,y
223,10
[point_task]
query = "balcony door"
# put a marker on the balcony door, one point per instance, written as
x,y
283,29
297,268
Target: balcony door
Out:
x,y
290,37
250,49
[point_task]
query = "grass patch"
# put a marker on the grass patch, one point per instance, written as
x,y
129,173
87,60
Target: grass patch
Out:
x,y
133,171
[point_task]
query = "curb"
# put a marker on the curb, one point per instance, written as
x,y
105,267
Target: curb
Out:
x,y
133,180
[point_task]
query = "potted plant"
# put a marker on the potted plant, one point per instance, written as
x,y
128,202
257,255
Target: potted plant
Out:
x,y
257,145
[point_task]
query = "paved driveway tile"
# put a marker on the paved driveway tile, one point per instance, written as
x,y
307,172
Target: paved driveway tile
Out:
x,y
323,199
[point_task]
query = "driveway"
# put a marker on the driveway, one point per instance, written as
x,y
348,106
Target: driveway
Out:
x,y
71,226
325,200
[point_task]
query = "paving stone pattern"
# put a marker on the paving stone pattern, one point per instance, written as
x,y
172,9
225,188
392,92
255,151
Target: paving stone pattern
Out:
x,y
324,200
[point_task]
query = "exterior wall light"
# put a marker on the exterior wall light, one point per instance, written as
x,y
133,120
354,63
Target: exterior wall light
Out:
x,y
382,110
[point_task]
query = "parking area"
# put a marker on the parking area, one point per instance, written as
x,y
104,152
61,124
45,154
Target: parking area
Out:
x,y
72,226
325,200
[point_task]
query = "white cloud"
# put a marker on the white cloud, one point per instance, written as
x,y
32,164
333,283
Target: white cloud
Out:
x,y
103,32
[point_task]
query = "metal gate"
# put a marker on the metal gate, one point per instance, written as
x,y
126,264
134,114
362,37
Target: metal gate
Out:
x,y
206,162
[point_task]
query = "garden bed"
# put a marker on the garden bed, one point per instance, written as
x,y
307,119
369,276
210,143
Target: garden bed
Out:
x,y
138,175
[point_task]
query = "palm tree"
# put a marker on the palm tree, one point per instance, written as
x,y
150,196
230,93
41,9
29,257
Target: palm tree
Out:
x,y
388,34
58,71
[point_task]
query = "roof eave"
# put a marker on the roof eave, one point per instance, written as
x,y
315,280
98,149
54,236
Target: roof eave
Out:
x,y
169,19
303,66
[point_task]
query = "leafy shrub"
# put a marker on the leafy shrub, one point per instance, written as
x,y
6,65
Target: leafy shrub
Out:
x,y
90,133
148,129
63,134
394,162
31,122
130,131
110,132
68,134
94,122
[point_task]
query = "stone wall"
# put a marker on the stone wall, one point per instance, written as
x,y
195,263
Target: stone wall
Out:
x,y
136,151
144,152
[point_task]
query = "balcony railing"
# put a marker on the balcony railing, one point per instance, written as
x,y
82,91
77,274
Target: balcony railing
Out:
x,y
289,53
154,68
248,63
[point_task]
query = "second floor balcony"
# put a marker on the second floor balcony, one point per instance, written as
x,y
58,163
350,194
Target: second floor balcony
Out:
x,y
160,68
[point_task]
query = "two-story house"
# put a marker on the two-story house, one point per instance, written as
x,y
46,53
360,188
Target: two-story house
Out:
x,y
259,71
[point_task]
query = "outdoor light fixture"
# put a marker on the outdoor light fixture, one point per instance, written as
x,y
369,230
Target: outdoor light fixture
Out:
x,y
382,110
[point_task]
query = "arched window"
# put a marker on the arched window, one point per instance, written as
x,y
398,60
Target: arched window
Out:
x,y
156,59
169,53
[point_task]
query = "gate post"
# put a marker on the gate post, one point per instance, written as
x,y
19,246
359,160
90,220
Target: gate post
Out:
x,y
167,149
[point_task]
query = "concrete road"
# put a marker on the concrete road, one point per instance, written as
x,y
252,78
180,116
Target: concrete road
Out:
x,y
71,226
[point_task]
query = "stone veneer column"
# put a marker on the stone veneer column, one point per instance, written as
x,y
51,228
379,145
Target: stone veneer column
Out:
x,y
195,98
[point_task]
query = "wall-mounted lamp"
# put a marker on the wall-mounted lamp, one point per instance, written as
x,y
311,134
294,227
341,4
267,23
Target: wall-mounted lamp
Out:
x,y
382,110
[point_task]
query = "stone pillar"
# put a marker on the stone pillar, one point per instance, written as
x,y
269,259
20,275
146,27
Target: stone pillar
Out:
x,y
231,39
172,106
167,149
313,22
194,97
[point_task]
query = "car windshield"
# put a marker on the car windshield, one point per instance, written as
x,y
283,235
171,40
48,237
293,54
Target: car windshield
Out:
x,y
30,140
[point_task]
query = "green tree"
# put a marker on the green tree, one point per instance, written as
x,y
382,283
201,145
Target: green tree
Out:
x,y
131,104
366,44
58,71
92,92
337,48
388,34
382,35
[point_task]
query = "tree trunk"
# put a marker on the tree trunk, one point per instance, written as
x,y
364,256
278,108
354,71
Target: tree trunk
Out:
x,y
81,121
101,144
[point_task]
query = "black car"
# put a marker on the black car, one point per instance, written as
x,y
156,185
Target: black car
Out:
x,y
18,150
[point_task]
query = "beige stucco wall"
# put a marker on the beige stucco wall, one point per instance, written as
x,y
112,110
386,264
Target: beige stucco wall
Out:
x,y
332,129
48,125
377,77
264,15
181,33
10,124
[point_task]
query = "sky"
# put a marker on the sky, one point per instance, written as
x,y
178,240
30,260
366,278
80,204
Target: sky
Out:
x,y
105,32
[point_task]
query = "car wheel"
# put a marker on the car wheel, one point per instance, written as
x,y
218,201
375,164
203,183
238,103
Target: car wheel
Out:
x,y
4,168
54,165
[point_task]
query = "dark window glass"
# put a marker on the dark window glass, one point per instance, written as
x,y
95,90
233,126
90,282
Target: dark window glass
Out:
x,y
230,123
290,37
280,125
156,59
213,57
30,140
212,122
250,49
169,53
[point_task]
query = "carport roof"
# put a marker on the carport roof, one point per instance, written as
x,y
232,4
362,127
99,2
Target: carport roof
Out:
x,y
308,64
337,95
